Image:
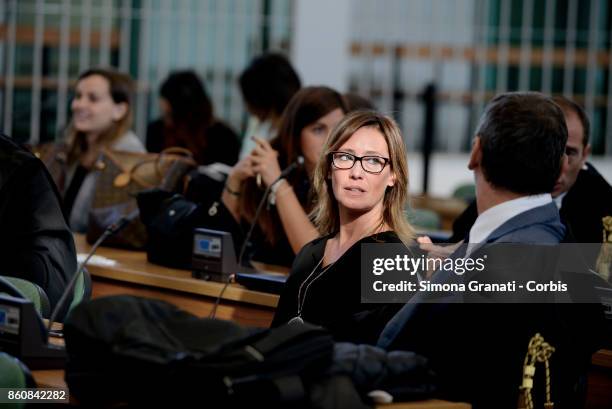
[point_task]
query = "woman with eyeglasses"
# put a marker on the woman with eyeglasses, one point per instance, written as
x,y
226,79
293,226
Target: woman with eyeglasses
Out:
x,y
361,187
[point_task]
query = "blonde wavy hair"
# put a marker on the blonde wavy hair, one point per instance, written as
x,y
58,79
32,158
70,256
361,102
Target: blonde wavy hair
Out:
x,y
325,215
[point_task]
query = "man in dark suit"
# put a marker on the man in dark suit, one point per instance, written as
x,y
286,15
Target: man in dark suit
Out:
x,y
582,195
477,350
35,241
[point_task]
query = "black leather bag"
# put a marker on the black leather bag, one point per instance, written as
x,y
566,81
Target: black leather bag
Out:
x,y
205,184
170,220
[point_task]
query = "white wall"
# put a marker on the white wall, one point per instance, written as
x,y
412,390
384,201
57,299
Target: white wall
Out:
x,y
449,170
320,49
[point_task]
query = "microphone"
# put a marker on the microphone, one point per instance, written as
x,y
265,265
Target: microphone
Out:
x,y
109,231
298,162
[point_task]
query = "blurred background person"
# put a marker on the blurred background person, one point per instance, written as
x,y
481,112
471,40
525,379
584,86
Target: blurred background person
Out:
x,y
101,118
379,56
267,85
188,121
581,194
284,226
35,242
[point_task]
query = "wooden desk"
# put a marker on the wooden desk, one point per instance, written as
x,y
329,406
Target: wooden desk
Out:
x,y
49,378
133,274
599,394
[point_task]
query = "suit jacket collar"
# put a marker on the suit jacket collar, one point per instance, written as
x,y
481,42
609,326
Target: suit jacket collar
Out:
x,y
543,215
547,214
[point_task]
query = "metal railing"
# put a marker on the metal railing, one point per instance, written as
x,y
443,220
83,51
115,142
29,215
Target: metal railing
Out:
x,y
44,44
472,49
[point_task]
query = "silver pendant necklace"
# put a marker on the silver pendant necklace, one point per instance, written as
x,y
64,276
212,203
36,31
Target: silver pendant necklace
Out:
x,y
296,320
301,300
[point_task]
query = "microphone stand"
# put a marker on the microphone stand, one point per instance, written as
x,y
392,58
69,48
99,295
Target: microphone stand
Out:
x,y
284,173
28,340
252,227
110,230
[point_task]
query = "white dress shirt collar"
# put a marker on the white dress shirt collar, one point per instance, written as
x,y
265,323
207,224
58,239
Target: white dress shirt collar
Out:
x,y
559,200
492,218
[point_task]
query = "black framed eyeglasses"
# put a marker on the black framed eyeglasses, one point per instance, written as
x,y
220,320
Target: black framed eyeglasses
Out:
x,y
371,164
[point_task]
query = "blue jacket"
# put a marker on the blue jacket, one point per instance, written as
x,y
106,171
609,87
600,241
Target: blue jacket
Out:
x,y
477,350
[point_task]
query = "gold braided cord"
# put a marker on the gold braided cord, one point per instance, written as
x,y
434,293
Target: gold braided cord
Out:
x,y
538,350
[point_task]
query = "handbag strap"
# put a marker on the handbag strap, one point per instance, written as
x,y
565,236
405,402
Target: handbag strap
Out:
x,y
177,150
174,151
130,174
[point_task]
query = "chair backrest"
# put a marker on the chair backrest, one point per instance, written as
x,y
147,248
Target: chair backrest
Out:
x,y
14,374
82,289
424,218
32,292
466,192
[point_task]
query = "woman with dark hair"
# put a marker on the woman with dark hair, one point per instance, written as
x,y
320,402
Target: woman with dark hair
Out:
x,y
188,121
267,86
101,118
284,226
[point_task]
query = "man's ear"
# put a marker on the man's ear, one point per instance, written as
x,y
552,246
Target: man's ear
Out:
x,y
475,154
585,153
564,164
119,111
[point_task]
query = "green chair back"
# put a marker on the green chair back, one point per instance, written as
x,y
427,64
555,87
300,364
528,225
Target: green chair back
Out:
x,y
466,192
32,292
424,219
14,374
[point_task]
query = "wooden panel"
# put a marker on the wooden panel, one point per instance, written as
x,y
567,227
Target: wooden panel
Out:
x,y
603,358
52,36
49,378
472,54
599,395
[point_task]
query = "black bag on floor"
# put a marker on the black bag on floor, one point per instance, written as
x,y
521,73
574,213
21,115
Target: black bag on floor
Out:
x,y
136,351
